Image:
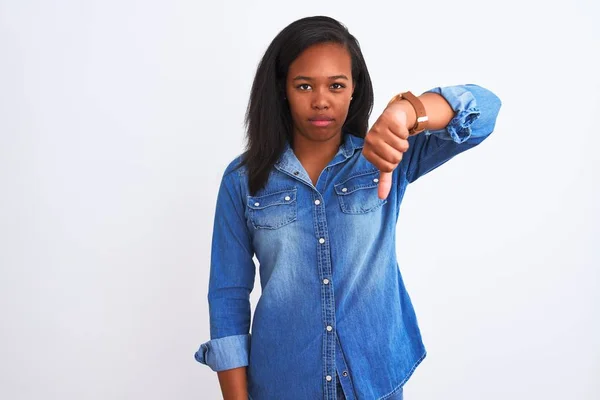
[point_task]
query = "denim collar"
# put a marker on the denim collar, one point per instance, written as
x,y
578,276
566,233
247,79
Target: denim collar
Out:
x,y
289,163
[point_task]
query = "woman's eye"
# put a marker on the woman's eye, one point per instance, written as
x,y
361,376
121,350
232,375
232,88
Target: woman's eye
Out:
x,y
337,86
304,86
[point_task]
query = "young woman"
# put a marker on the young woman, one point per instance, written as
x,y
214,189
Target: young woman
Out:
x,y
315,198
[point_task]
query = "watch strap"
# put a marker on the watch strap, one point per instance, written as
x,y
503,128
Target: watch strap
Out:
x,y
422,120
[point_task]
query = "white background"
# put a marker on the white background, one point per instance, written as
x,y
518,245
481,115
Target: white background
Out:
x,y
117,119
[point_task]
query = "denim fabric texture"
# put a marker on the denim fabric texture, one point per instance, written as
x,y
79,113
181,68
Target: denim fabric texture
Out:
x,y
333,302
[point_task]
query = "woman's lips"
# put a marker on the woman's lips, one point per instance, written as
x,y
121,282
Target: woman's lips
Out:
x,y
321,122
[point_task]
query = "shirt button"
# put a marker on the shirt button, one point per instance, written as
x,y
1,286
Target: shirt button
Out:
x,y
317,202
326,281
344,190
256,204
296,172
375,180
328,377
329,328
345,373
287,198
321,240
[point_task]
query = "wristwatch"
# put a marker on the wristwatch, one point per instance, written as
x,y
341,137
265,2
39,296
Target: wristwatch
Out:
x,y
422,119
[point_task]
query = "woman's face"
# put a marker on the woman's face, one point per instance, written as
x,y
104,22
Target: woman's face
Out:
x,y
318,89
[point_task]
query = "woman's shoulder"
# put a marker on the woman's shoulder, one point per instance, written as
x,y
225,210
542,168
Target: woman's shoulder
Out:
x,y
234,178
236,171
235,164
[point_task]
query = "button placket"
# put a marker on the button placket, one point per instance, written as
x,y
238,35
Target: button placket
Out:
x,y
328,302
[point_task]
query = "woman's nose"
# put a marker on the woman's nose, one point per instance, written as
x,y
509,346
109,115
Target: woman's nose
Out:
x,y
320,100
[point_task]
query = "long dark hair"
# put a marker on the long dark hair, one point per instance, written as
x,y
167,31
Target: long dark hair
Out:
x,y
268,119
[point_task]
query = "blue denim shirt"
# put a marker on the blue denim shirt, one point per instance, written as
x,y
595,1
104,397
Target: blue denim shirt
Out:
x,y
333,303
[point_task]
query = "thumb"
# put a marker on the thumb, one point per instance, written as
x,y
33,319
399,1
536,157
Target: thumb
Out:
x,y
385,184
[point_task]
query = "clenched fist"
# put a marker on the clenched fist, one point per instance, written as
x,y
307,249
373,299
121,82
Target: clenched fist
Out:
x,y
385,144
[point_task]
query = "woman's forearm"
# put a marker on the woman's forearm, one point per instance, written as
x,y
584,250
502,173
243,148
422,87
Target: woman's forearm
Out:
x,y
234,383
438,110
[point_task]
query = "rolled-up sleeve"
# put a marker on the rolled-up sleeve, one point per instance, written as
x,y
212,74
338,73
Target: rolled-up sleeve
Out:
x,y
231,280
225,353
475,113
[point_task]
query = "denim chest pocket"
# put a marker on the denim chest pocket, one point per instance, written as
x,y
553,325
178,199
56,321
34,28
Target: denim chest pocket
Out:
x,y
358,194
273,210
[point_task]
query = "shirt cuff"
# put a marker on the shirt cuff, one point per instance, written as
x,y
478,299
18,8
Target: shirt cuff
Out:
x,y
225,353
465,109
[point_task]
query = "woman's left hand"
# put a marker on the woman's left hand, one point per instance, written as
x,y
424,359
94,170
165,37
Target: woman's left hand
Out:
x,y
385,144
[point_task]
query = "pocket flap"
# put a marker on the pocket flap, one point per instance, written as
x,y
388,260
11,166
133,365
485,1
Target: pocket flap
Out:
x,y
364,180
272,199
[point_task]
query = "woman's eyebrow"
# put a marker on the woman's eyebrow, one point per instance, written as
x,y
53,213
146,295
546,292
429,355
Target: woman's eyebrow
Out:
x,y
308,78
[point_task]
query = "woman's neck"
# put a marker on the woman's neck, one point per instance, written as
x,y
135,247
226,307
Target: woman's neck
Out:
x,y
316,153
